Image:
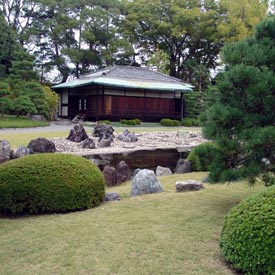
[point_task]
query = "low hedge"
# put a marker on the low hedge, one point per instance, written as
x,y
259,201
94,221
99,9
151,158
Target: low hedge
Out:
x,y
248,236
188,122
170,122
132,122
49,183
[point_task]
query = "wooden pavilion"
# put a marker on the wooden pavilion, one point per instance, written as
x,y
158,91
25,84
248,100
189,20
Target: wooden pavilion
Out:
x,y
122,92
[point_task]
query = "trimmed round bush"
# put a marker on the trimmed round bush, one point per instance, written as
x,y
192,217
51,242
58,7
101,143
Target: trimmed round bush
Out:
x,y
166,122
248,235
49,183
187,122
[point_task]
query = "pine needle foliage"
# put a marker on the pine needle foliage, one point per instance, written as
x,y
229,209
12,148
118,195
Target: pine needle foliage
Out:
x,y
242,121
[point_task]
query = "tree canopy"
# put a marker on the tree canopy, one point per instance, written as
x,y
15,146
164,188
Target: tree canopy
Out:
x,y
72,37
242,122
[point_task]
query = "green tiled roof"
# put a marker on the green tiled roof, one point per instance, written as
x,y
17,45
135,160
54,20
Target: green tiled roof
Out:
x,y
129,77
126,83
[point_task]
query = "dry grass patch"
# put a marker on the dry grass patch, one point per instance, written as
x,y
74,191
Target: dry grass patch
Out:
x,y
164,233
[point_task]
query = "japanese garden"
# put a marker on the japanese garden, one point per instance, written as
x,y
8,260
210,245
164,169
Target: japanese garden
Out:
x,y
137,137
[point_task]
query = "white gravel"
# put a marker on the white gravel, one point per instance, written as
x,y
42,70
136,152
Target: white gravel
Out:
x,y
146,141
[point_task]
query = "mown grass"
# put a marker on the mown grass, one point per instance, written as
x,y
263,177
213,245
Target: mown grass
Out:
x,y
8,121
17,139
164,233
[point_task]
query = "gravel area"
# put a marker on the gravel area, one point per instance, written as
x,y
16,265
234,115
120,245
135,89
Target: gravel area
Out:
x,y
146,141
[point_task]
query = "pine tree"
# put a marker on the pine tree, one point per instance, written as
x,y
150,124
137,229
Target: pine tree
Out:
x,y
242,121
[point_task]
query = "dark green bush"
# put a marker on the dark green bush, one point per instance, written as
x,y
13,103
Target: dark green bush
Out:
x,y
187,122
131,122
248,235
169,122
138,121
195,122
123,121
202,156
176,122
166,122
49,183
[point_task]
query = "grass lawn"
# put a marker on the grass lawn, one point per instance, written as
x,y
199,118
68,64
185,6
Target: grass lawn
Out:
x,y
23,139
164,233
8,121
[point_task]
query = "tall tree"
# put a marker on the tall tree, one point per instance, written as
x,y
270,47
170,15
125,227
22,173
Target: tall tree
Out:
x,y
242,122
75,37
190,32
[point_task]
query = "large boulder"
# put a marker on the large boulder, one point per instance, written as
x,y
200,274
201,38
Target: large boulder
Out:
x,y
145,182
41,145
77,133
189,185
123,172
20,152
127,136
110,175
103,131
183,166
163,171
5,150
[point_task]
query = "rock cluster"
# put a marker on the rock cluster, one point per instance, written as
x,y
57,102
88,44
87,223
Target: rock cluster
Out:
x,y
116,175
127,136
77,133
35,146
145,141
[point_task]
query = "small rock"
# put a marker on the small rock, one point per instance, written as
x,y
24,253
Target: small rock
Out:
x,y
123,172
189,185
88,143
5,151
105,143
163,171
183,166
112,196
38,118
110,175
127,136
20,152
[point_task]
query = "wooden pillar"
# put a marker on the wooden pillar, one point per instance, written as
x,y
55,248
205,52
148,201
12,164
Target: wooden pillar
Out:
x,y
96,115
182,106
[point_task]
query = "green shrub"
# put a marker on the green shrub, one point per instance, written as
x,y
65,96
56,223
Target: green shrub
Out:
x,y
248,235
202,155
169,122
123,121
131,122
195,122
187,122
176,122
49,183
138,121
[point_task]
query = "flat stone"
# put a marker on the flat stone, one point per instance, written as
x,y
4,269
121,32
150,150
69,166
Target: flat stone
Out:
x,y
111,196
189,185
